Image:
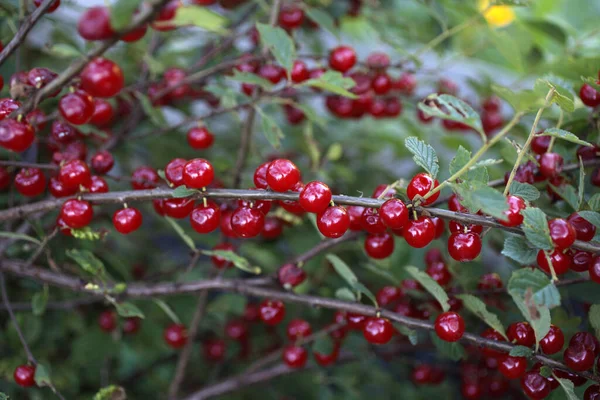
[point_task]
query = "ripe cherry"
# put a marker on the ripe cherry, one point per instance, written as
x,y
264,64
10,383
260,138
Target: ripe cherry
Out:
x,y
586,339
560,262
107,320
102,162
293,114
342,58
198,173
37,119
271,312
325,360
589,96
449,326
355,214
205,218
512,367
282,175
553,342
225,225
579,357
174,171
76,213
521,333
298,329
535,386
166,14
127,220
551,164
271,72
540,144
237,329
381,83
393,214
103,113
30,182
513,214
294,356
584,229
200,138
8,106
247,222
218,261
333,222
97,185
594,269
264,206
178,208
74,173
371,222
174,79
378,330
24,375
94,24
53,6
464,247
102,78
260,176
272,229
290,275
421,184
214,349
300,72
439,272
388,295
16,136
406,84
563,234
315,197
592,393
144,178
131,325
5,178
291,17
176,335
580,260
379,246
135,35
419,233
491,334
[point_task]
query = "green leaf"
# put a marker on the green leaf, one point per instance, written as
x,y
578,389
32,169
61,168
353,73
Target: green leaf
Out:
x,y
63,50
478,196
86,233
334,152
202,17
42,375
544,291
568,387
594,316
564,135
253,79
568,194
311,114
591,216
87,261
345,294
39,301
167,310
581,188
537,316
237,260
182,191
111,392
411,334
323,345
521,351
524,190
535,226
479,308
594,202
430,285
423,154
322,19
592,81
155,114
279,43
271,130
519,250
523,101
346,274
128,310
546,371
359,287
184,236
562,96
3,396
19,236
452,350
478,172
121,13
334,82
452,108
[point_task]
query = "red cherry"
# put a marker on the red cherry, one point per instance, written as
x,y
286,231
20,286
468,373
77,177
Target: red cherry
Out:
x,y
589,96
131,325
300,72
107,320
214,349
264,206
8,106
521,333
492,104
49,10
491,122
200,138
271,72
378,330
433,256
40,77
298,329
592,393
562,233
512,367
540,144
291,17
76,214
237,329
94,24
578,357
290,275
282,175
293,114
166,14
218,261
293,207
342,58
535,385
388,295
127,220
586,339
294,356
271,312
74,173
205,219
513,214
421,184
144,178
464,247
439,272
378,60
449,326
492,335
178,208
371,222
247,222
30,182
260,176
379,246
174,171
272,229
36,118
580,260
553,342
97,185
394,214
5,178
24,375
16,136
355,214
315,197
419,233
560,261
381,83
226,228
551,164
103,113
63,133
594,269
136,34
406,84
102,78
198,173
174,79
102,162
333,222
176,335
588,152
584,229
325,360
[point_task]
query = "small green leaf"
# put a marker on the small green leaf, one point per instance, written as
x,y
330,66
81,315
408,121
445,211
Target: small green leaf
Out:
x,y
63,50
478,196
86,233
323,345
479,308
594,202
535,226
202,17
411,334
345,294
524,190
423,154
167,310
111,392
334,82
430,285
546,371
346,273
521,351
19,236
182,191
87,261
523,101
322,19
237,260
121,13
155,114
591,216
42,375
271,130
568,387
128,310
519,250
594,317
253,79
544,291
478,172
184,236
39,301
452,350
451,108
581,189
279,43
568,194
564,135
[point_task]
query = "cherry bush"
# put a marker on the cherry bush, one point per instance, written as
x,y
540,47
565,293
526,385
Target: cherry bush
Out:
x,y
293,199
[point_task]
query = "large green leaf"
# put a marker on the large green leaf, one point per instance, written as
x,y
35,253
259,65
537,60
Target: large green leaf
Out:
x,y
452,108
431,286
479,308
423,154
279,43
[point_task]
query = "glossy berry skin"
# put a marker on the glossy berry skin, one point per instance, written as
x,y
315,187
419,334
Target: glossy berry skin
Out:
x,y
131,325
560,262
30,182
290,275
419,233
214,350
325,360
260,176
388,295
174,171
393,214
16,136
102,78
355,213
594,269
272,229
512,367
178,207
342,58
200,138
291,17
449,326
551,164
381,84
282,175
237,329
300,72
102,162
513,214
205,219
592,393
378,330
127,220
295,356
540,144
297,329
166,14
439,272
421,184
464,247
76,214
371,222
578,357
584,230
107,321
198,173
535,386
76,108
74,173
379,246
24,375
333,222
247,222
94,24
562,233
315,197
553,342
580,260
521,333
586,339
103,113
97,185
271,312
176,336
589,96
53,6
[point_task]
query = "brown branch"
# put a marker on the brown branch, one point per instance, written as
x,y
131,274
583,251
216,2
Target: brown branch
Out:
x,y
56,305
13,319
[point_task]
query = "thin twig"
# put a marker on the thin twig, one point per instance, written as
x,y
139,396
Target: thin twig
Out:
x,y
13,319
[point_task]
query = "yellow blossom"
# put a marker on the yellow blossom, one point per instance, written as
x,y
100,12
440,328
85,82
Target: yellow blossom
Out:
x,y
497,15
